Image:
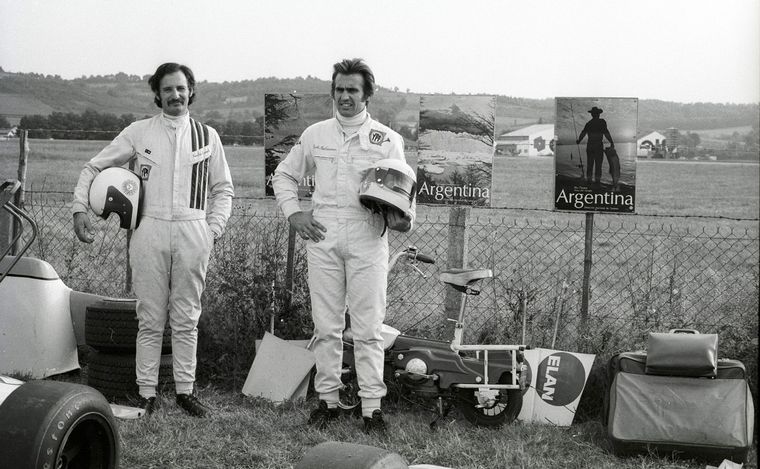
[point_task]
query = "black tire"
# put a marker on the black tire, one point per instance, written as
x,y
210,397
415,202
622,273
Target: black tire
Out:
x,y
505,410
114,375
54,424
111,327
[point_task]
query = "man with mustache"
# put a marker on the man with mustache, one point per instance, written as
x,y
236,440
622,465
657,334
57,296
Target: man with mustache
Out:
x,y
187,198
346,243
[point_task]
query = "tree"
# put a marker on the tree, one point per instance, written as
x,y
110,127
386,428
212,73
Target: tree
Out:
x,y
37,126
752,139
481,126
4,124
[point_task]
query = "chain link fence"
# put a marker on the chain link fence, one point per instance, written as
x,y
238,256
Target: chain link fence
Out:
x,y
647,275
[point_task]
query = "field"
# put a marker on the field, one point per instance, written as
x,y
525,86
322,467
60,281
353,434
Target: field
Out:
x,y
684,188
54,165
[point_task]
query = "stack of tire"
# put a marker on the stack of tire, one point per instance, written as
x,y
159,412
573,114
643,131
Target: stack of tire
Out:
x,y
110,331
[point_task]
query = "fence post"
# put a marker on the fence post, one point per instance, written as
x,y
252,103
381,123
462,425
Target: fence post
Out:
x,y
456,258
128,270
290,265
586,293
18,199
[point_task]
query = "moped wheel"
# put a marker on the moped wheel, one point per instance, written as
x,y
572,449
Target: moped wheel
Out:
x,y
504,410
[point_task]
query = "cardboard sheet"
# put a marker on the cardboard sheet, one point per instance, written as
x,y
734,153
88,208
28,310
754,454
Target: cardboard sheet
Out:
x,y
280,370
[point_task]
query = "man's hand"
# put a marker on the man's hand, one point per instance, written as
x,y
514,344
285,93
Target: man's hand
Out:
x,y
83,227
306,226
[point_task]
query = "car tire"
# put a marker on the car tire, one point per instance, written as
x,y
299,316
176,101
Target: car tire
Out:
x,y
114,374
111,327
50,424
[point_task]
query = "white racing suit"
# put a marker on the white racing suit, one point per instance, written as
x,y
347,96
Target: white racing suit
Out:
x,y
187,198
350,266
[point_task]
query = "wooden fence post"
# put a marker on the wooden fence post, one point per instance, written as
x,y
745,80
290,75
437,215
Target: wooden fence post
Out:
x,y
18,199
456,258
290,265
586,293
128,273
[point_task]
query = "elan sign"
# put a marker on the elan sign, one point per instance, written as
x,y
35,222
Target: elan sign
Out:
x,y
556,382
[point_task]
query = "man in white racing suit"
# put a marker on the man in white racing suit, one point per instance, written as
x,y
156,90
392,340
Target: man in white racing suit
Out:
x,y
346,243
187,198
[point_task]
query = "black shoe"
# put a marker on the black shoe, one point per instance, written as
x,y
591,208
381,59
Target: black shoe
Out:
x,y
147,404
375,423
190,404
322,415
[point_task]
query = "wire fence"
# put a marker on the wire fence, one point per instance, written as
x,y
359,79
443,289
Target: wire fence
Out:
x,y
648,274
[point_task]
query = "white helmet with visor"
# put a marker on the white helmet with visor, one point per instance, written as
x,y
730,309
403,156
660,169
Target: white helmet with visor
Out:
x,y
117,190
389,184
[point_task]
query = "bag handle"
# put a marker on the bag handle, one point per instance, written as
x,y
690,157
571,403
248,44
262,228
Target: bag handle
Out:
x,y
683,331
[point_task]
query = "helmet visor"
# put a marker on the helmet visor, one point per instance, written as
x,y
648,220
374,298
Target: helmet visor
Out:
x,y
394,180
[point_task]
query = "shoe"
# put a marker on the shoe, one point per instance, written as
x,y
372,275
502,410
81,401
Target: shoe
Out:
x,y
375,423
322,415
147,404
190,404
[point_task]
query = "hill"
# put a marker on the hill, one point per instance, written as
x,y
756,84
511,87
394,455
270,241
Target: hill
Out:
x,y
33,93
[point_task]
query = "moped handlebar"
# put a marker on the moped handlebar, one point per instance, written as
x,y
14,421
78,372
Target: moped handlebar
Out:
x,y
412,255
425,258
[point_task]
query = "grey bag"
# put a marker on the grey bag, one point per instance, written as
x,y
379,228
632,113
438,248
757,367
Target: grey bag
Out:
x,y
711,418
682,352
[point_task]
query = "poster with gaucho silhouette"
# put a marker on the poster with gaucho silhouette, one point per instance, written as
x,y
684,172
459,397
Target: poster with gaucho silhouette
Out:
x,y
595,154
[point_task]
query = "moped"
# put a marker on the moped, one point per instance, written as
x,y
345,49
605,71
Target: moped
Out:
x,y
484,382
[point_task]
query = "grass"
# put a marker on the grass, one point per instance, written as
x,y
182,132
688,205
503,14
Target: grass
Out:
x,y
248,432
54,165
663,187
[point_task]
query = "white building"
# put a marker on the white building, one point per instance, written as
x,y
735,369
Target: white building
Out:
x,y
534,140
648,145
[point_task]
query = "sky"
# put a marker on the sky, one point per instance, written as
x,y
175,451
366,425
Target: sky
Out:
x,y
672,50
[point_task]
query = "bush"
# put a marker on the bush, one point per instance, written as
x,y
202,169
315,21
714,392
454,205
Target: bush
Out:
x,y
246,295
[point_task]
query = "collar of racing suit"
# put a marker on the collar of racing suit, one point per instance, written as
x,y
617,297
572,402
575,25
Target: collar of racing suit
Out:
x,y
175,121
351,125
364,126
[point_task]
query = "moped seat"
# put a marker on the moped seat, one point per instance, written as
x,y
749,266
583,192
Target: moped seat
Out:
x,y
464,277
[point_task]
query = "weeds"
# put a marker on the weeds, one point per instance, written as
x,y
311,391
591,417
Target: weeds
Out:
x,y
246,295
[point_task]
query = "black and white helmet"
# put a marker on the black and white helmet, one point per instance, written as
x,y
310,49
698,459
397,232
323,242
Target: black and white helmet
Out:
x,y
389,183
119,191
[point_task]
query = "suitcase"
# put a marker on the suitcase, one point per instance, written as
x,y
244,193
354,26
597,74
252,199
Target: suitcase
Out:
x,y
709,418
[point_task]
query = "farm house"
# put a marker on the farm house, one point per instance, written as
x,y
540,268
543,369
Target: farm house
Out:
x,y
648,145
534,140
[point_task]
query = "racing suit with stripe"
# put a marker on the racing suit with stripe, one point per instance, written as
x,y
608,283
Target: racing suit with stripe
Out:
x,y
350,266
187,198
